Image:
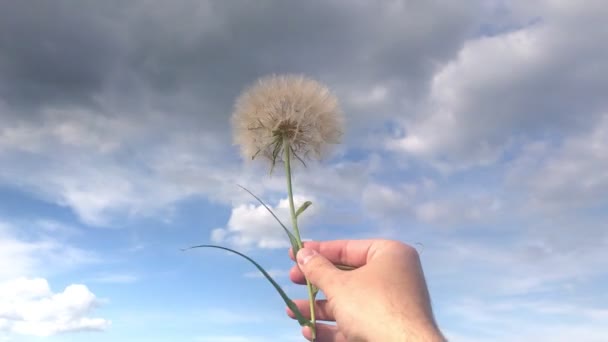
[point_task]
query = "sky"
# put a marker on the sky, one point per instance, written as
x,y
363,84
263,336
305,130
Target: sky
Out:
x,y
476,131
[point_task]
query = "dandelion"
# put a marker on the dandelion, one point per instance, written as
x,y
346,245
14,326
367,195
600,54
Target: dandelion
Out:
x,y
286,112
284,116
280,118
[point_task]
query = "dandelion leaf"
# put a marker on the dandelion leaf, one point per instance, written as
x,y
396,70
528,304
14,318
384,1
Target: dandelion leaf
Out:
x,y
290,304
303,207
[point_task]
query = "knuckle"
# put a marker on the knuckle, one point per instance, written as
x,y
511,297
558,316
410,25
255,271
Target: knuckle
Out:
x,y
403,248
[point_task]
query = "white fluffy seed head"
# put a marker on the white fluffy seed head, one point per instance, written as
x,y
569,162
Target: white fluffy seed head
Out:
x,y
286,108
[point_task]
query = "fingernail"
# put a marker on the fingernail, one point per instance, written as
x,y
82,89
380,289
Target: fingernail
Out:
x,y
305,254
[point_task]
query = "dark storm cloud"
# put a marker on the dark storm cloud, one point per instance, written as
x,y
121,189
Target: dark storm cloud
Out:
x,y
193,57
53,52
105,95
350,45
340,39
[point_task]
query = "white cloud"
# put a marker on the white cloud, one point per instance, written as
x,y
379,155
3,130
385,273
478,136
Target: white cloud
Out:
x,y
452,211
528,263
424,202
148,135
382,200
568,176
27,304
22,255
78,129
142,136
535,80
252,225
29,307
516,283
84,160
527,320
15,256
370,97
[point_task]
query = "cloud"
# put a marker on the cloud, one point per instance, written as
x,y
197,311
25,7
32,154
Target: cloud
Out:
x,y
29,307
565,176
528,320
143,124
26,254
517,276
148,127
27,304
452,211
540,79
120,111
385,201
218,48
526,259
45,60
86,162
425,202
252,225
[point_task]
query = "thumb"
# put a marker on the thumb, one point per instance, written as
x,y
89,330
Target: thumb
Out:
x,y
317,269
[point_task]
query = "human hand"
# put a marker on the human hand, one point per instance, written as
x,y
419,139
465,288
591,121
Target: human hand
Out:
x,y
384,299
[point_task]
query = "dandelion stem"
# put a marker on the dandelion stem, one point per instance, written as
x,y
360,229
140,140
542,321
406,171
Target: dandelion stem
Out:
x,y
292,210
294,222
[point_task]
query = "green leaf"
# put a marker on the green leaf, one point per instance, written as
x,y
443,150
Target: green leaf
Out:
x,y
292,238
290,304
303,207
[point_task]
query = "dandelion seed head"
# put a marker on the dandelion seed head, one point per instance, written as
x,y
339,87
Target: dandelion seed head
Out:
x,y
286,108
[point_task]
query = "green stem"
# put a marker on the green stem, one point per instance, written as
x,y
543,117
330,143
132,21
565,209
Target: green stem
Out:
x,y
294,222
292,209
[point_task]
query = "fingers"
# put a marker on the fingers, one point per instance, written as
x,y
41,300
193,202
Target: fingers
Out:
x,y
296,275
346,252
325,333
319,271
322,310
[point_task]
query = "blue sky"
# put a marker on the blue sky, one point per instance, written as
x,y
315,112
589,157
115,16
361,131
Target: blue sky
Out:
x,y
477,131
